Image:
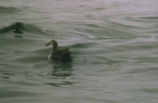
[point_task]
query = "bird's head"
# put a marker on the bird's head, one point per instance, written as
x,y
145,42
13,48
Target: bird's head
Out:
x,y
52,42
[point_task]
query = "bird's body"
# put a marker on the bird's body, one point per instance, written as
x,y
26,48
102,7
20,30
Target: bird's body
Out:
x,y
59,54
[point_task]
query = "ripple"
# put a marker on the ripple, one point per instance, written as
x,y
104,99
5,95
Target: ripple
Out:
x,y
7,10
150,90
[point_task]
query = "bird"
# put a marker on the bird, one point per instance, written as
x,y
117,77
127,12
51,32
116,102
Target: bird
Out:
x,y
59,54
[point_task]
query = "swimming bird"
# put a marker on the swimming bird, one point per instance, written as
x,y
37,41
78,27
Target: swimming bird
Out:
x,y
59,54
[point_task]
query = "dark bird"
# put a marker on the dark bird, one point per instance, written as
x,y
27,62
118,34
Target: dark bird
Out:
x,y
59,54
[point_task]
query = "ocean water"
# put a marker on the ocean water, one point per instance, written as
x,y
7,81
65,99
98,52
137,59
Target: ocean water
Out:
x,y
113,43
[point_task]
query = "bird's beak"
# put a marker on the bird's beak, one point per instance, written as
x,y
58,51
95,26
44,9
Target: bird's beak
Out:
x,y
47,44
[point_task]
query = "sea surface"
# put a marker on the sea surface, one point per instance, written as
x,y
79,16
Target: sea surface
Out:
x,y
113,43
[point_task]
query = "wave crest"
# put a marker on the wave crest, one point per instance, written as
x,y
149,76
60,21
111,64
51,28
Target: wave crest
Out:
x,y
9,10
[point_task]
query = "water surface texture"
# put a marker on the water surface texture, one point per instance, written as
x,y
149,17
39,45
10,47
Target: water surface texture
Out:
x,y
114,46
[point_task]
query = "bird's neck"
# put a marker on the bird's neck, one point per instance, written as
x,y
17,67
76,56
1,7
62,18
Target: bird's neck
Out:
x,y
55,48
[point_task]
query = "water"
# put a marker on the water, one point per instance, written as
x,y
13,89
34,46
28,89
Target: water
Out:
x,y
113,45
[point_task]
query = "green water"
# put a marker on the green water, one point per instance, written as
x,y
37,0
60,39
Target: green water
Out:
x,y
114,46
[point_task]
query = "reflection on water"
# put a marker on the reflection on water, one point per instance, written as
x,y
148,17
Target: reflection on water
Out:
x,y
62,83
62,69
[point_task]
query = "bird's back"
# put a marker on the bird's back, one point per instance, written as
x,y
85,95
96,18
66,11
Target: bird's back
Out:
x,y
61,54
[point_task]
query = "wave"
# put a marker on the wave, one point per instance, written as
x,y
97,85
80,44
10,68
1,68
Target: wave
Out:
x,y
34,29
20,27
9,10
150,17
15,26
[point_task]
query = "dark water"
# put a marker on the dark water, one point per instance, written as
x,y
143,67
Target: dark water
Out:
x,y
114,45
